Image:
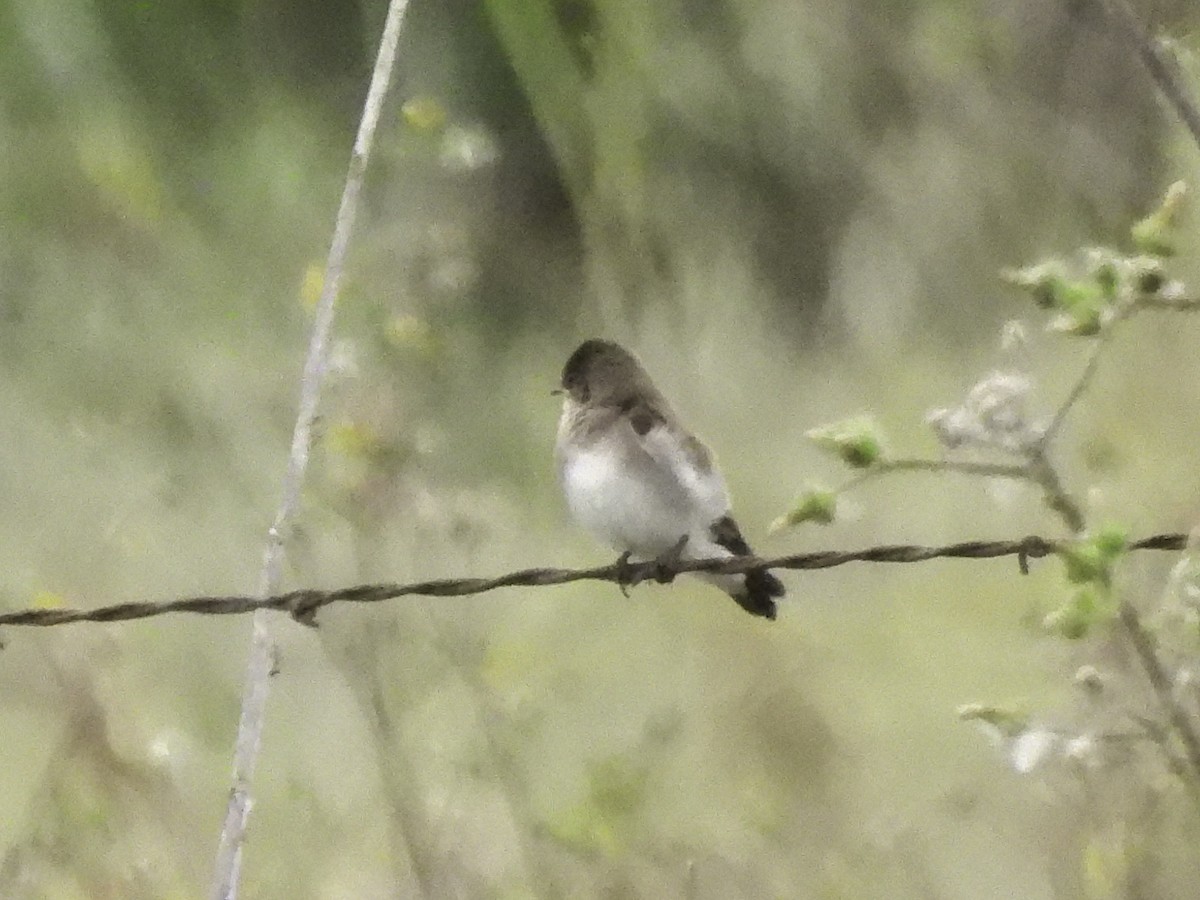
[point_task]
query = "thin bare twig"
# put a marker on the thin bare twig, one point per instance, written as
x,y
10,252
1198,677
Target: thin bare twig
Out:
x,y
262,649
1156,673
1160,302
935,466
1077,390
1036,470
1160,736
304,604
1158,60
1039,469
1035,466
1041,472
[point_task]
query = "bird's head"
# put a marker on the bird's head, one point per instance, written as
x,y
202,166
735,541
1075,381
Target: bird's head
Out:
x,y
604,373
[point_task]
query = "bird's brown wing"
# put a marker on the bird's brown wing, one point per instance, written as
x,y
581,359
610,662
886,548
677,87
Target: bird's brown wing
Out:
x,y
642,415
725,533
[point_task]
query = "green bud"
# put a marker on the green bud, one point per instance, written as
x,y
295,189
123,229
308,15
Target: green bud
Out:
x,y
1155,234
1074,618
1090,561
1151,236
1083,320
814,505
1105,268
856,441
1085,564
1147,274
1045,282
1150,282
1111,541
1108,279
1072,626
1075,295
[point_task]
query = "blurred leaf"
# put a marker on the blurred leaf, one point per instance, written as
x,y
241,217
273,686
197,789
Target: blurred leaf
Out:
x,y
312,284
1084,563
508,663
424,114
413,335
585,829
354,440
122,173
617,786
555,82
1106,865
602,822
764,807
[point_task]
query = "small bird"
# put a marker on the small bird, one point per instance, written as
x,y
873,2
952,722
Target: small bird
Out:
x,y
638,480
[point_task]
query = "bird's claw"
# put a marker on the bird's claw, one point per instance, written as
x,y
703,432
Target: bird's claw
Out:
x,y
666,565
627,576
663,568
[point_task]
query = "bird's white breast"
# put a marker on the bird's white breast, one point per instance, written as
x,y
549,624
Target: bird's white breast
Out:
x,y
624,505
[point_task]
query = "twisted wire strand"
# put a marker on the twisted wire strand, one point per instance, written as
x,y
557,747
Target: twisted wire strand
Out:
x,y
303,604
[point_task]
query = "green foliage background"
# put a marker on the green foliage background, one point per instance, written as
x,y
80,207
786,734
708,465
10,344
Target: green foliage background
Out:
x,y
792,211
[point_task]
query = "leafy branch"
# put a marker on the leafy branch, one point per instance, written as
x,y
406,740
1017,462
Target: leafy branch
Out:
x,y
1086,298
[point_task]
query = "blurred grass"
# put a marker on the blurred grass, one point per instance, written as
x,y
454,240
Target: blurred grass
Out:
x,y
816,236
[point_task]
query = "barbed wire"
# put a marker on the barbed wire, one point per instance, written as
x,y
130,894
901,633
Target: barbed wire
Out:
x,y
303,604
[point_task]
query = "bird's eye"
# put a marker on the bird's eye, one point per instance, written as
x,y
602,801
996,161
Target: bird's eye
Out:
x,y
576,387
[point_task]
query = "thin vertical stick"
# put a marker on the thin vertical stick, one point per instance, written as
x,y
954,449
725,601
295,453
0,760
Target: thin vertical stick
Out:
x,y
262,646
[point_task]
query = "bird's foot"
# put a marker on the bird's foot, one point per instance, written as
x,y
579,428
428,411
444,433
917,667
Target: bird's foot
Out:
x,y
628,576
664,568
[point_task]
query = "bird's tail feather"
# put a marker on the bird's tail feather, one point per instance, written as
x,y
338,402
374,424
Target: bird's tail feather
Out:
x,y
758,594
756,591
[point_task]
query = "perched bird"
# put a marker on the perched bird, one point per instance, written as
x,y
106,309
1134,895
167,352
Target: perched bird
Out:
x,y
638,480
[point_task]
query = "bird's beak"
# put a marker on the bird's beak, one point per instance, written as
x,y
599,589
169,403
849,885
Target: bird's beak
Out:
x,y
556,392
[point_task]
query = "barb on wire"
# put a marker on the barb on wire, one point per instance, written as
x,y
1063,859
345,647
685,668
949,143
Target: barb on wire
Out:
x,y
303,604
